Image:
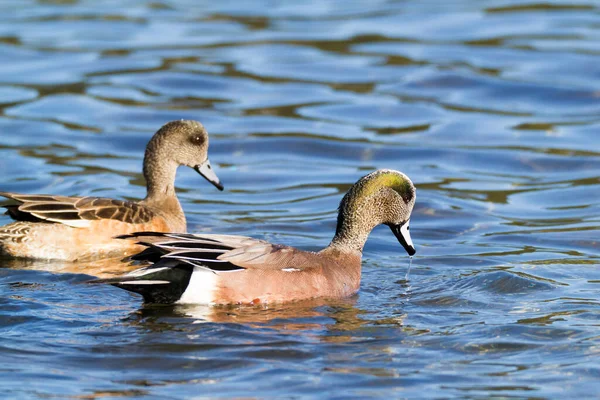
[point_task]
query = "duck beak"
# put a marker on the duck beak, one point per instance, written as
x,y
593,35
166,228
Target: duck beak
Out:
x,y
207,172
403,235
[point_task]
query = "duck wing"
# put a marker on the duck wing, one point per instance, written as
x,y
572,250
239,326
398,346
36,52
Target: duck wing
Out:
x,y
74,211
220,253
174,257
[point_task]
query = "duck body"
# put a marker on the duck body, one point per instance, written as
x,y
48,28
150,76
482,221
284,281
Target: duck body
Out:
x,y
323,274
227,269
83,228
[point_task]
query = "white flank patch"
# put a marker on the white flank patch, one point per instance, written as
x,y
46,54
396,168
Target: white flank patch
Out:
x,y
290,270
201,289
142,282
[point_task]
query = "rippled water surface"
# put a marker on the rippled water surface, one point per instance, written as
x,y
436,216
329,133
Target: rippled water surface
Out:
x,y
492,107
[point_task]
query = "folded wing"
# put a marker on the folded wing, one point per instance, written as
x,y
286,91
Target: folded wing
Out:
x,y
175,257
220,253
74,211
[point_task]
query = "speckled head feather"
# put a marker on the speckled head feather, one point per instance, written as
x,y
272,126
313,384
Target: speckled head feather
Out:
x,y
186,141
382,197
176,143
379,179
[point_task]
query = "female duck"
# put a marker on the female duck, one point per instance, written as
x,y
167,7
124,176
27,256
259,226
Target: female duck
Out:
x,y
76,228
222,269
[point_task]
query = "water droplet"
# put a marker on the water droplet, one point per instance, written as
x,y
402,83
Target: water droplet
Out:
x,y
409,265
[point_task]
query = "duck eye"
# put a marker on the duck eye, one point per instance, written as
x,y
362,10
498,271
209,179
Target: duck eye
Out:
x,y
196,139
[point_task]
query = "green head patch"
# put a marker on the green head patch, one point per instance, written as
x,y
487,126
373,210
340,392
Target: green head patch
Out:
x,y
392,179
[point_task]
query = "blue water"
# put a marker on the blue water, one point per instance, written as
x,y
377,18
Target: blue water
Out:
x,y
492,107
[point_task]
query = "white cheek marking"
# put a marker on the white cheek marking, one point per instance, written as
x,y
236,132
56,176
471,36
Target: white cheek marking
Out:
x,y
290,270
143,282
201,289
406,233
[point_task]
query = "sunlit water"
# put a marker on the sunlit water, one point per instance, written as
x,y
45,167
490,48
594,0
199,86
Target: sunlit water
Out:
x,y
491,107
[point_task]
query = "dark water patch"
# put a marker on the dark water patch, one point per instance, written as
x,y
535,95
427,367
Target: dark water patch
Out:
x,y
52,71
506,282
84,111
377,115
459,89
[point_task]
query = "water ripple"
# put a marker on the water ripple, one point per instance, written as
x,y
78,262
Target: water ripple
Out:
x,y
491,107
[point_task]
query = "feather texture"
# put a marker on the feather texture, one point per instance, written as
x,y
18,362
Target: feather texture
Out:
x,y
221,252
75,211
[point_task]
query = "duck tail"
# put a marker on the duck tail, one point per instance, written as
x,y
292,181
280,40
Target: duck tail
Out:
x,y
162,285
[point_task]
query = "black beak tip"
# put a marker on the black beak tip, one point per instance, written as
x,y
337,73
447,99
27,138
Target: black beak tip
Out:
x,y
411,251
217,184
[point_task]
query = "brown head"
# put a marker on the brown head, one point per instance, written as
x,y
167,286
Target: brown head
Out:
x,y
382,197
176,143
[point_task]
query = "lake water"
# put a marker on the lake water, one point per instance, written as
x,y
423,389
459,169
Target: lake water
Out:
x,y
492,107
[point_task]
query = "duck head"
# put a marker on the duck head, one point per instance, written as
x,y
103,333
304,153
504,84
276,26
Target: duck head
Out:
x,y
382,197
181,143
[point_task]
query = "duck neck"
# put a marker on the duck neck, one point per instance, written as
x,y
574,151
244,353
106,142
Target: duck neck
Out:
x,y
159,173
160,183
351,233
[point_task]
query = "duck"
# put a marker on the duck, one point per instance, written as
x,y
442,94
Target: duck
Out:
x,y
54,227
217,269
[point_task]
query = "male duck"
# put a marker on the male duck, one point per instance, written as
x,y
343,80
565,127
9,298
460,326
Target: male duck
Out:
x,y
76,228
225,269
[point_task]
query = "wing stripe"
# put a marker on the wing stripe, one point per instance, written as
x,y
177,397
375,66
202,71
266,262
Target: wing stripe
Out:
x,y
199,245
58,215
63,209
192,257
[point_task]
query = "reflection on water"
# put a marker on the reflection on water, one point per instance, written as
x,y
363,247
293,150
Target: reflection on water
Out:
x,y
491,107
305,316
104,268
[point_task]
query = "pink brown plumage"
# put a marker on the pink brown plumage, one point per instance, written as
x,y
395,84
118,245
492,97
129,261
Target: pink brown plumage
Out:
x,y
227,269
